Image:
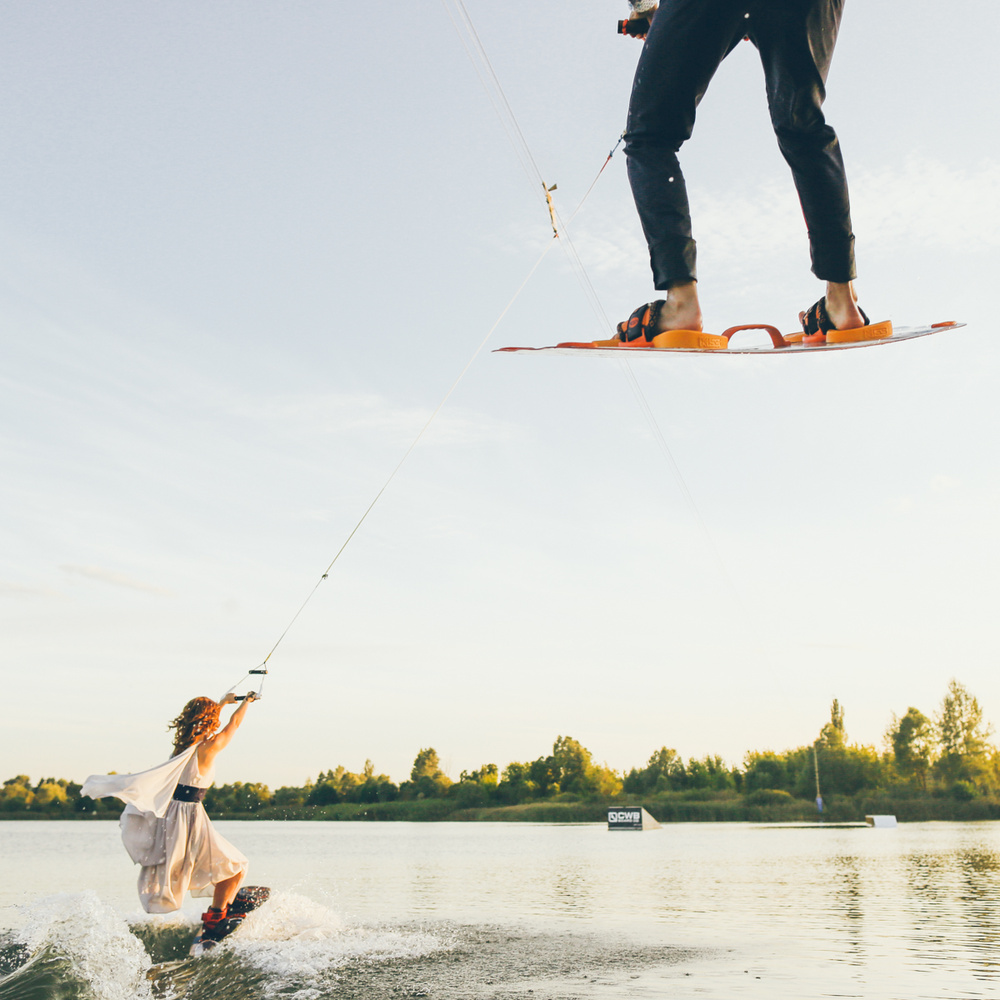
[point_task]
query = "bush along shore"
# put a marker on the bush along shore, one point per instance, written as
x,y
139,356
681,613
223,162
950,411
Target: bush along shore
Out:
x,y
940,768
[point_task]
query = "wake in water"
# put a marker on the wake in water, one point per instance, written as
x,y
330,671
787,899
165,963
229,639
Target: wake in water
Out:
x,y
72,945
75,946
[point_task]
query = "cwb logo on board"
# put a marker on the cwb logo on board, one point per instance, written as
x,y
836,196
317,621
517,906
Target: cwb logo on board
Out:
x,y
624,819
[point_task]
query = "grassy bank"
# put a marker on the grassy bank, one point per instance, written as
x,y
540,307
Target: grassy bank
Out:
x,y
670,808
667,807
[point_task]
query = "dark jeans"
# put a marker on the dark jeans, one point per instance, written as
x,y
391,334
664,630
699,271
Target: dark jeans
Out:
x,y
686,44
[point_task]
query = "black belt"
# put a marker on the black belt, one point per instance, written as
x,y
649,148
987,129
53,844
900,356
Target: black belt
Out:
x,y
189,793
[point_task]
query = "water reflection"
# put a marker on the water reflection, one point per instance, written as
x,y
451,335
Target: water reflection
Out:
x,y
978,869
850,904
427,888
573,889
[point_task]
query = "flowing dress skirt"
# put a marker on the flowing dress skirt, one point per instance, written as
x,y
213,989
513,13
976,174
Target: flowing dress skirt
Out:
x,y
195,858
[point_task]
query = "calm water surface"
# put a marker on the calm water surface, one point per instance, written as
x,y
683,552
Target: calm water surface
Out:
x,y
451,910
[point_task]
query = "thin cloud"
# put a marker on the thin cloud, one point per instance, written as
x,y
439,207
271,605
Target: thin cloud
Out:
x,y
945,484
928,201
21,590
917,201
114,579
836,646
346,414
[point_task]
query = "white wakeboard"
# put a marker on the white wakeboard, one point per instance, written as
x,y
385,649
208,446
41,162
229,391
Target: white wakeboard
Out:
x,y
780,344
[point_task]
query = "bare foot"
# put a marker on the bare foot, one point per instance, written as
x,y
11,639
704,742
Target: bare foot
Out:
x,y
841,306
681,311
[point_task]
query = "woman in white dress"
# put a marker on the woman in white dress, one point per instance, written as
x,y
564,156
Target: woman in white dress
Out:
x,y
197,857
165,827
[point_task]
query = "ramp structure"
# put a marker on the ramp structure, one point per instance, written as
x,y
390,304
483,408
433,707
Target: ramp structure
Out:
x,y
630,818
881,822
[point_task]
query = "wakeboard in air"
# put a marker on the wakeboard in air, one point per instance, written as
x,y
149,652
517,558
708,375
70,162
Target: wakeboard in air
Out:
x,y
247,899
697,342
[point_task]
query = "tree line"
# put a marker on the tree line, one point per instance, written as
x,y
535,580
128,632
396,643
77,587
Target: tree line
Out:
x,y
945,756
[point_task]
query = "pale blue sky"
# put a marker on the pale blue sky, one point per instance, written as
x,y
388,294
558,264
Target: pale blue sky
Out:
x,y
247,247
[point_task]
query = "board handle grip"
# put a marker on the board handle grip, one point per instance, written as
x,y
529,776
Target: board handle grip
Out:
x,y
777,340
633,26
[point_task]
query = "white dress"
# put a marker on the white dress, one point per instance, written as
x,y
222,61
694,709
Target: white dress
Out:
x,y
175,842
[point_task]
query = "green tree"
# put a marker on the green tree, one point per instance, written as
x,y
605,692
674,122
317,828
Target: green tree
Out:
x,y
476,788
50,793
252,795
374,787
664,770
544,775
912,741
710,772
843,770
515,784
607,782
17,795
341,785
323,793
964,736
764,770
427,780
426,765
574,763
344,782
832,735
577,771
487,775
378,788
237,797
290,797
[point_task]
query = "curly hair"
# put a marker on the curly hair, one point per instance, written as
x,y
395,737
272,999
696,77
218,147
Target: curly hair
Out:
x,y
199,718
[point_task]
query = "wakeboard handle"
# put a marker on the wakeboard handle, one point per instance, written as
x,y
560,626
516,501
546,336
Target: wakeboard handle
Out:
x,y
633,26
256,694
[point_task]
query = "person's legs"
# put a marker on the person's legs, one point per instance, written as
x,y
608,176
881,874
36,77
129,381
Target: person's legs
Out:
x,y
687,41
225,892
796,39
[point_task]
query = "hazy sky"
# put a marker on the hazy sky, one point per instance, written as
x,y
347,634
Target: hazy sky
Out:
x,y
246,248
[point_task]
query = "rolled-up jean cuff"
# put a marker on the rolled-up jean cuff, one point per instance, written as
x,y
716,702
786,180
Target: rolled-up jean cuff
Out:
x,y
835,263
673,262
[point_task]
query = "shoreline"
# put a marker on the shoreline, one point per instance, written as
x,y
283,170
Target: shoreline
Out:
x,y
666,809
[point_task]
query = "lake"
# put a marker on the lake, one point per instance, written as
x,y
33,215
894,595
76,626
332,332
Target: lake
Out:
x,y
528,911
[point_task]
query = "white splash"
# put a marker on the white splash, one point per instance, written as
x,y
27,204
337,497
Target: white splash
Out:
x,y
93,938
294,938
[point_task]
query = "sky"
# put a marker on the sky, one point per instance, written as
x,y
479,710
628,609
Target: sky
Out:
x,y
246,250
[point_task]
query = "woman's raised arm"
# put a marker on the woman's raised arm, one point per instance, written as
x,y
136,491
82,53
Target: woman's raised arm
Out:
x,y
213,744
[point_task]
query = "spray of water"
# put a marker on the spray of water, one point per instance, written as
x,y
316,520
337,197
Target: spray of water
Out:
x,y
74,936
75,945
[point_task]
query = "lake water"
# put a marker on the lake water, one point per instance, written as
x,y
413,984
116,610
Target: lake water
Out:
x,y
454,911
